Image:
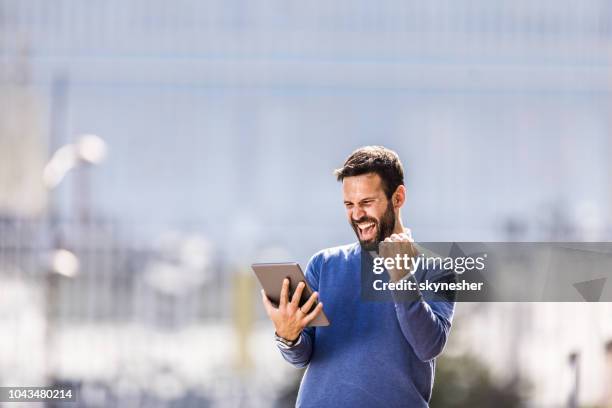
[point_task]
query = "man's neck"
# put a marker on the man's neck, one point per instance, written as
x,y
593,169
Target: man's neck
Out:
x,y
399,226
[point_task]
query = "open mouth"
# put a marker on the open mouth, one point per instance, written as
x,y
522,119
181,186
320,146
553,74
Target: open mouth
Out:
x,y
366,229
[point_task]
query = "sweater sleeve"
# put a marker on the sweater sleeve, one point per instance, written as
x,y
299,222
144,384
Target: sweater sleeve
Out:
x,y
425,324
299,355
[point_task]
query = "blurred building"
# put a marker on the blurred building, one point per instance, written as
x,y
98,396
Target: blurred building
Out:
x,y
22,141
217,102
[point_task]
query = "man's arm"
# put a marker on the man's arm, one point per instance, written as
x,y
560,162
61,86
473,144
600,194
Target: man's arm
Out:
x,y
425,324
299,354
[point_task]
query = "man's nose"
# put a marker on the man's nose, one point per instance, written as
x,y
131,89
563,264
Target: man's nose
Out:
x,y
358,213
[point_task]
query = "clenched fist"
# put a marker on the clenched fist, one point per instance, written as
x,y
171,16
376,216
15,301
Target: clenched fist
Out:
x,y
398,244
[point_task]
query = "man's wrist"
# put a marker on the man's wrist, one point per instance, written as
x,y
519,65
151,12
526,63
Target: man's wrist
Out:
x,y
286,343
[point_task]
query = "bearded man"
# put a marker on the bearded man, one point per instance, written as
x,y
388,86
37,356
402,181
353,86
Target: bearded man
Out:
x,y
374,354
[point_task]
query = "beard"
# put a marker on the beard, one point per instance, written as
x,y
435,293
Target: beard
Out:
x,y
384,228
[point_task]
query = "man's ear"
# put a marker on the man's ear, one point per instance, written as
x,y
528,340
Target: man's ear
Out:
x,y
399,197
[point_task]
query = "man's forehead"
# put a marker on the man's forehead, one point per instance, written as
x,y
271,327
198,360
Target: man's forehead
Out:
x,y
364,184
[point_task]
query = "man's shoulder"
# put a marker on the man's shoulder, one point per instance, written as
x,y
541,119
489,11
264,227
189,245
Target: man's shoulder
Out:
x,y
337,253
330,259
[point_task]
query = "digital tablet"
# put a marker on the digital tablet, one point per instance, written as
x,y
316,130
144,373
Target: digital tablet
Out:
x,y
271,277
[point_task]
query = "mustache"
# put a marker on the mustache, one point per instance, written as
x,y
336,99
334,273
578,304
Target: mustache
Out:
x,y
364,219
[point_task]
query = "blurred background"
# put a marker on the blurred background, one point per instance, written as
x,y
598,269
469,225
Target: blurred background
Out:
x,y
150,151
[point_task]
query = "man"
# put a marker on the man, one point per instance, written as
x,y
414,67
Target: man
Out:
x,y
374,354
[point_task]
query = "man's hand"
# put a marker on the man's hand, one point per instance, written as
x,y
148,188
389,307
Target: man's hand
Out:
x,y
398,244
289,319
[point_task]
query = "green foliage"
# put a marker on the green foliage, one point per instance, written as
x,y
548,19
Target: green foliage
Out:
x,y
464,382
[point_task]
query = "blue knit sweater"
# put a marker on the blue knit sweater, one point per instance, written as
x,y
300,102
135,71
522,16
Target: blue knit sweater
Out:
x,y
374,354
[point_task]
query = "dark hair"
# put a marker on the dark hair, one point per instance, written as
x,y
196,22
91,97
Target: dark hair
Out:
x,y
374,159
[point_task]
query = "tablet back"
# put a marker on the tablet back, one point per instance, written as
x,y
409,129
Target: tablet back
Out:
x,y
271,277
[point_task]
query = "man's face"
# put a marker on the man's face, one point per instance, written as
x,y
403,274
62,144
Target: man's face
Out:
x,y
369,212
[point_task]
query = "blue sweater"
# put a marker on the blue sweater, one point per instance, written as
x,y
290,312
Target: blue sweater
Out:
x,y
374,354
